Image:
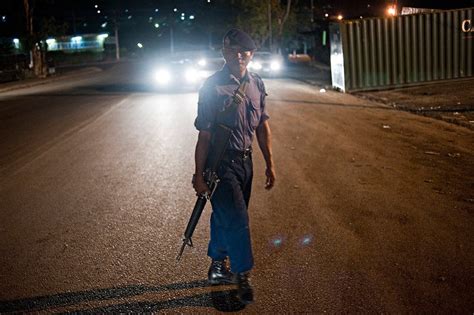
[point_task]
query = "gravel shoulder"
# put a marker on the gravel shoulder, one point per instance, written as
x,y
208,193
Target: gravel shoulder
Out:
x,y
452,101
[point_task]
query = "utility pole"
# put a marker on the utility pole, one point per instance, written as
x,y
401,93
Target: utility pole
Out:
x,y
74,31
117,46
171,39
270,39
29,28
313,40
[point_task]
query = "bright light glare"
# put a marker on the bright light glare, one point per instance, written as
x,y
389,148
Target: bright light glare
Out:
x,y
255,65
275,66
204,74
391,11
50,41
16,43
162,77
192,75
157,25
140,45
340,17
202,62
102,36
76,39
306,240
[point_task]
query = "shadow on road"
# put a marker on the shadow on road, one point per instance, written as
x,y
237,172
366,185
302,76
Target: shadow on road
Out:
x,y
142,88
383,107
224,300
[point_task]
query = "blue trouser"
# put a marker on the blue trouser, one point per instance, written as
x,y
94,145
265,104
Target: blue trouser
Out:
x,y
230,234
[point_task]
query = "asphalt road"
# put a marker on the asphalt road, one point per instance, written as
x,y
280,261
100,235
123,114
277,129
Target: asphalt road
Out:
x,y
372,211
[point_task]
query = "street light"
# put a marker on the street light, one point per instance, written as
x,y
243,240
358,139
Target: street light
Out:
x,y
340,17
392,10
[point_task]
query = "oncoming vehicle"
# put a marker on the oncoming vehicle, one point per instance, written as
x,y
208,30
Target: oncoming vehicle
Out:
x,y
266,64
185,70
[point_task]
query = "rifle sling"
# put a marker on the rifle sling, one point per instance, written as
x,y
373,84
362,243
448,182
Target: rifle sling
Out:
x,y
222,133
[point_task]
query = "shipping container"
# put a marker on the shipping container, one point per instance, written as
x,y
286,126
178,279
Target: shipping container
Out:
x,y
382,53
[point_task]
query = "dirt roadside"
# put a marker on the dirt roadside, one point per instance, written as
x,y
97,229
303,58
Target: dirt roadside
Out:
x,y
451,101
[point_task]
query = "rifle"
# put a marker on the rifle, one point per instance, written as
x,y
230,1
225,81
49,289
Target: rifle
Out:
x,y
220,142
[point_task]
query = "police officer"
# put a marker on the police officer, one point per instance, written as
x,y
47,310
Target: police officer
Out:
x,y
230,235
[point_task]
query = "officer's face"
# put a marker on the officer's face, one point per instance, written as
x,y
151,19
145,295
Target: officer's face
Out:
x,y
237,57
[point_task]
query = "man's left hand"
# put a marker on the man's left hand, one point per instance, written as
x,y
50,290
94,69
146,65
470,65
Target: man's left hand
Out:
x,y
270,173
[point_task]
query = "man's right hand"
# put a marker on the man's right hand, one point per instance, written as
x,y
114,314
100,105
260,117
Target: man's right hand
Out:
x,y
200,185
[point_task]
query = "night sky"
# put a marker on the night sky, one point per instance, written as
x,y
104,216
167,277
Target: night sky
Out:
x,y
139,16
77,11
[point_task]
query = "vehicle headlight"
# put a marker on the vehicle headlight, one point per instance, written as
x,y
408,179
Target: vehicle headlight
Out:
x,y
204,74
202,62
255,65
191,75
162,76
275,65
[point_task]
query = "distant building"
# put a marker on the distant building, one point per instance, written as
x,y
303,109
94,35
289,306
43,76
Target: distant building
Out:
x,y
86,42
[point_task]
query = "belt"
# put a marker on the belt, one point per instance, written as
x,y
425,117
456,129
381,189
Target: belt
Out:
x,y
238,153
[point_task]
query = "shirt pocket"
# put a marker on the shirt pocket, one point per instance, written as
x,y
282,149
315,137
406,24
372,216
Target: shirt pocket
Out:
x,y
255,111
225,115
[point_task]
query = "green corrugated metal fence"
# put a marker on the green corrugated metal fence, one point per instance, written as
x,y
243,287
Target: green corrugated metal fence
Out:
x,y
379,53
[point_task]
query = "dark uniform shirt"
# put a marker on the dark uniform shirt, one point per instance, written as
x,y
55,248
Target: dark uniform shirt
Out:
x,y
216,94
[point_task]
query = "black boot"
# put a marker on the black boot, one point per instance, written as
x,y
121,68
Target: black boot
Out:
x,y
244,289
219,273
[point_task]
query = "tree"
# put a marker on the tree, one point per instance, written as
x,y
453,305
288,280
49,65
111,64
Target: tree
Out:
x,y
282,14
256,16
253,20
36,38
38,56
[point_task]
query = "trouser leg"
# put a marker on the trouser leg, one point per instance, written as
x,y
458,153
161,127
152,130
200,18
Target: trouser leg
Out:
x,y
217,245
230,232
